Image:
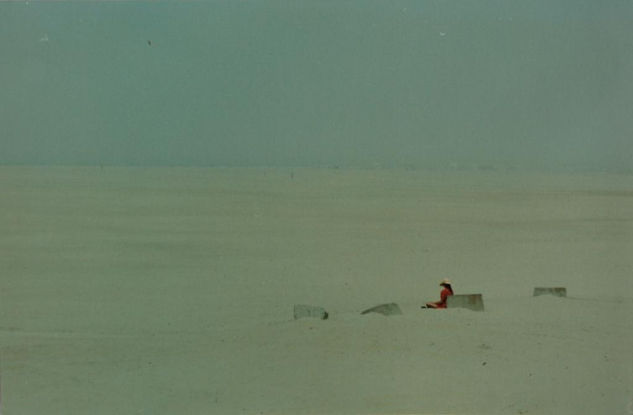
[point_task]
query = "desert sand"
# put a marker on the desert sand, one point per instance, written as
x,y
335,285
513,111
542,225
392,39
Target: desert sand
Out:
x,y
170,291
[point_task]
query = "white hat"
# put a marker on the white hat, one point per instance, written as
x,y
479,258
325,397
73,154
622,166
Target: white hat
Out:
x,y
445,281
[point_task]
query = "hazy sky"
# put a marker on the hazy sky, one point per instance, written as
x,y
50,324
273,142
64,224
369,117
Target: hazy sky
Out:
x,y
545,84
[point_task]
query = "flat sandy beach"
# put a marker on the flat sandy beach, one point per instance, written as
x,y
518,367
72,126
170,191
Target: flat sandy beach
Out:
x,y
171,291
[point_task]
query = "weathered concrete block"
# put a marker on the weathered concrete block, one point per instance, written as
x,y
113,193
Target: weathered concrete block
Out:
x,y
473,302
556,291
301,311
385,309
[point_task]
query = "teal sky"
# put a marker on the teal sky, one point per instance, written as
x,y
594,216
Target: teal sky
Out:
x,y
531,84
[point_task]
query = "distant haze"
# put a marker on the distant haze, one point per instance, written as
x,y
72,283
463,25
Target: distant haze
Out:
x,y
428,84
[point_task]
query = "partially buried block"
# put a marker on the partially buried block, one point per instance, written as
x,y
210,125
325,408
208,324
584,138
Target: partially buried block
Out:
x,y
385,309
301,311
555,291
473,302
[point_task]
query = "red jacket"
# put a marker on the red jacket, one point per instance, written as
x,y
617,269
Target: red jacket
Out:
x,y
443,296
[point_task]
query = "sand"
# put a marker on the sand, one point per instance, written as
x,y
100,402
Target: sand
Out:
x,y
171,290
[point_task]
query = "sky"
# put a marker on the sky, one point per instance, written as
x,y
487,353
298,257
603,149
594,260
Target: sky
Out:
x,y
429,84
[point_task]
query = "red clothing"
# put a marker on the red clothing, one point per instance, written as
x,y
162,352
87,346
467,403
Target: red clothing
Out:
x,y
443,296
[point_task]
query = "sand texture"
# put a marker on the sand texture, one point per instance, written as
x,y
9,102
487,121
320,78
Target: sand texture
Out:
x,y
171,291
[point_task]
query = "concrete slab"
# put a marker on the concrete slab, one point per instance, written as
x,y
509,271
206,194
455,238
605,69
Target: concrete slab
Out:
x,y
473,302
385,309
303,311
555,291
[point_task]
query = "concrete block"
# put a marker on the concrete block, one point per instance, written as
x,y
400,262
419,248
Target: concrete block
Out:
x,y
473,302
555,291
390,309
301,311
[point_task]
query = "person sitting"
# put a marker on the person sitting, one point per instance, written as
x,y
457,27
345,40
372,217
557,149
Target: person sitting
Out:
x,y
447,290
